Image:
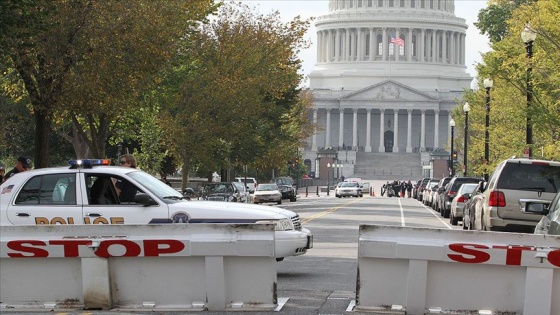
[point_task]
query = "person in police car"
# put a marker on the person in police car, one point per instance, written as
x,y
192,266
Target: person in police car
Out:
x,y
126,190
22,164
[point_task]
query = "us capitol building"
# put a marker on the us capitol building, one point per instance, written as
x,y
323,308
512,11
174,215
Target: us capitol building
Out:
x,y
387,76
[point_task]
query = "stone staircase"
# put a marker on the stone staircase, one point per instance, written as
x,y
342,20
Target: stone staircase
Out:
x,y
388,166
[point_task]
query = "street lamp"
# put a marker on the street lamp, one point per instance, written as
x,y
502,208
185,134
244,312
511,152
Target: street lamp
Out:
x,y
466,109
528,36
451,164
487,85
328,177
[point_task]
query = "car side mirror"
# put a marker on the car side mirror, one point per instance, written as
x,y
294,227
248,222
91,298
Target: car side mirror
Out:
x,y
145,200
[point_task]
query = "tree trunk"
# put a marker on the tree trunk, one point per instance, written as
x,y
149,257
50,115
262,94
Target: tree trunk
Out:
x,y
42,131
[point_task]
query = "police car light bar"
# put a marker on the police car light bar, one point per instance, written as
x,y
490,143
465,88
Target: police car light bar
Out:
x,y
88,163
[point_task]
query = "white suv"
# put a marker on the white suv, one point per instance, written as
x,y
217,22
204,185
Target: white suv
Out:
x,y
250,183
514,184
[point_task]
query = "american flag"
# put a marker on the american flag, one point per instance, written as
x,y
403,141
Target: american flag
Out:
x,y
397,41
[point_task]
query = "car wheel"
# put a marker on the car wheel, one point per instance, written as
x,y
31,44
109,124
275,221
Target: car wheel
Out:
x,y
279,201
292,199
453,220
446,213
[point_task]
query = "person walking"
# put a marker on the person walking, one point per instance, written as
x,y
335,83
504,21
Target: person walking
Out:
x,y
409,189
22,164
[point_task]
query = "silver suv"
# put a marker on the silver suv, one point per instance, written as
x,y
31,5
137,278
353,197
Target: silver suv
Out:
x,y
514,184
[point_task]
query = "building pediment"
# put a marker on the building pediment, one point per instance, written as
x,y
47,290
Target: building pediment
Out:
x,y
388,91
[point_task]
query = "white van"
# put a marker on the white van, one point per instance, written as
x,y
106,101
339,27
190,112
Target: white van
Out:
x,y
250,182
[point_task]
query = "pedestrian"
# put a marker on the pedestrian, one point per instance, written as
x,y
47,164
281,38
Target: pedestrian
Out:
x,y
22,164
409,188
164,179
384,188
126,190
2,174
397,188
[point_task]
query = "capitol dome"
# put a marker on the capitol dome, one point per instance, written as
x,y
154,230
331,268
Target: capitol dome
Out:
x,y
387,76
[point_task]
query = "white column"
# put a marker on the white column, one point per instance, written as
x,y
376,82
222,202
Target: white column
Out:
x,y
347,44
371,44
368,130
341,124
385,49
452,48
381,129
408,44
409,132
396,48
434,46
328,130
396,139
314,141
328,45
337,45
319,43
423,42
436,128
444,46
355,129
423,131
359,45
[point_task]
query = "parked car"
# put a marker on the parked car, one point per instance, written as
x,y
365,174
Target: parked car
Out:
x,y
428,189
415,188
220,191
84,193
550,222
469,210
438,193
421,187
514,183
267,193
243,192
287,188
451,191
458,203
250,183
348,189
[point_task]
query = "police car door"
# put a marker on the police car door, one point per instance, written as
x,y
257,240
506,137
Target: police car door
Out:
x,y
47,199
104,205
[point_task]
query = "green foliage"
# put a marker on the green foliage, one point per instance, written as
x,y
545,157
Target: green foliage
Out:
x,y
492,19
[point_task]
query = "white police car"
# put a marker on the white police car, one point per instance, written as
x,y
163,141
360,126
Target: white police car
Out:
x,y
84,193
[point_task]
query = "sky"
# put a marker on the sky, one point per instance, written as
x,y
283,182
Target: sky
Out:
x,y
467,9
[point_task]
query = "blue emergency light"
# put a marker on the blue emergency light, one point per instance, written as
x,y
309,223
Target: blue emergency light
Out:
x,y
88,163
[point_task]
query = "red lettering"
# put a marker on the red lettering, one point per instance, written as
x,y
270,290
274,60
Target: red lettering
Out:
x,y
514,253
71,246
132,249
152,247
478,256
554,257
20,246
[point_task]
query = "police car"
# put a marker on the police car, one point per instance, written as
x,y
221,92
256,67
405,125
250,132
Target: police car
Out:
x,y
85,193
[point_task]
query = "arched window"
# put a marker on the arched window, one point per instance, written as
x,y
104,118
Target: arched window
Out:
x,y
359,3
423,4
380,3
370,3
413,3
391,3
379,44
402,3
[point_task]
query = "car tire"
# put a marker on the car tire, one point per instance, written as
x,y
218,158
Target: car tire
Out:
x,y
279,201
293,199
453,220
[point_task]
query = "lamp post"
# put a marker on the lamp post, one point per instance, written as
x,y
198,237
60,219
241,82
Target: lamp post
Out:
x,y
451,164
466,109
487,85
528,36
328,177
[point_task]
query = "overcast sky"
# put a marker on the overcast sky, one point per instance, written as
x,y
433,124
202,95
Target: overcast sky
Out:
x,y
467,9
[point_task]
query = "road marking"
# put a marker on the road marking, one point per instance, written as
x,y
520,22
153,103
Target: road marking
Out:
x,y
351,305
438,216
324,213
402,213
281,302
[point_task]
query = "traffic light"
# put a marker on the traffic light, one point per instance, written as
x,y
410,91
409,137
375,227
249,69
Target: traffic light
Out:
x,y
454,155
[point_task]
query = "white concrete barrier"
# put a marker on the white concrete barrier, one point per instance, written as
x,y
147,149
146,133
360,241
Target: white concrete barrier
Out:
x,y
171,266
422,271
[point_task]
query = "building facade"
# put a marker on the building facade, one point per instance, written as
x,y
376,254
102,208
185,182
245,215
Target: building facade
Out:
x,y
387,76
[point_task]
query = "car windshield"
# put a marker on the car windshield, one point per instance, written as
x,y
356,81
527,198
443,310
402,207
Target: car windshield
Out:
x,y
537,177
218,188
267,187
155,186
284,181
239,186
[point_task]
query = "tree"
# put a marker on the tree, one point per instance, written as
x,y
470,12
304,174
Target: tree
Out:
x,y
88,62
492,19
236,92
